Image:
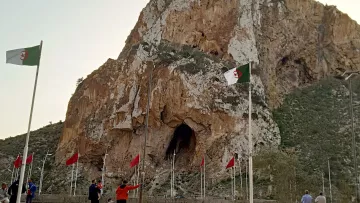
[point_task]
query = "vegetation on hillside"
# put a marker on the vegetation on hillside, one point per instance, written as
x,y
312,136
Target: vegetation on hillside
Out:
x,y
40,142
315,125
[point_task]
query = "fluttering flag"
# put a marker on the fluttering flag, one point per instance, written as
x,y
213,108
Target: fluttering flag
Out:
x,y
29,159
17,162
135,161
238,75
26,56
202,162
72,159
231,163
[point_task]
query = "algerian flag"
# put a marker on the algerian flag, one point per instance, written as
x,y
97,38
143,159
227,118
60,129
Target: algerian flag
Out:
x,y
238,75
27,56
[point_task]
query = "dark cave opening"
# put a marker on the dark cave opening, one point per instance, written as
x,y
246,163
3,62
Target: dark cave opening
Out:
x,y
183,142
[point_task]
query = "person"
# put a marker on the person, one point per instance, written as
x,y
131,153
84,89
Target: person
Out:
x,y
122,192
306,198
100,186
13,190
93,192
30,194
110,200
321,198
4,196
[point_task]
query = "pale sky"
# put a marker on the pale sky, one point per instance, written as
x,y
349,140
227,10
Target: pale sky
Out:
x,y
79,36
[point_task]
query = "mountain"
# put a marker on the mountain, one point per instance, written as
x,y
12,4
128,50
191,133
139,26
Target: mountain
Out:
x,y
177,54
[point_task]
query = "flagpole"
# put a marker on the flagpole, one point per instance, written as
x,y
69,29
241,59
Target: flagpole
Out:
x,y
241,184
103,174
330,181
201,183
137,180
22,172
76,173
234,180
174,175
246,181
12,174
204,177
232,184
72,178
250,143
146,132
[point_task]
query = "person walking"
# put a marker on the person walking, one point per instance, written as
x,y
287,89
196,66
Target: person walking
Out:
x,y
30,194
94,192
321,198
13,190
4,196
306,198
122,192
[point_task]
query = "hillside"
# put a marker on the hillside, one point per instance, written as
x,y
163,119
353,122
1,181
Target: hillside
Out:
x,y
41,140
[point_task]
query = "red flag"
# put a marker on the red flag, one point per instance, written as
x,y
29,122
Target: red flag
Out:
x,y
29,159
231,163
17,162
135,161
72,159
202,162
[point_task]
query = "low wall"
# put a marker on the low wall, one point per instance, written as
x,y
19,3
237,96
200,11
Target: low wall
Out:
x,y
83,199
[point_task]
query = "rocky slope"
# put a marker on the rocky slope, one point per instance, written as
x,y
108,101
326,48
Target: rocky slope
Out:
x,y
188,45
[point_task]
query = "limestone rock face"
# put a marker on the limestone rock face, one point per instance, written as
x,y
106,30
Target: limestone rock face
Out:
x,y
187,45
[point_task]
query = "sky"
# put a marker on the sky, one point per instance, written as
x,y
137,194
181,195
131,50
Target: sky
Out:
x,y
78,37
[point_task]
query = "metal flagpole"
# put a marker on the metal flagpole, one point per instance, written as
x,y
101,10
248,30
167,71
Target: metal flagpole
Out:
x,y
146,132
174,175
241,184
201,183
204,177
171,179
22,172
12,174
232,184
234,180
103,174
250,144
137,180
246,180
323,182
76,173
330,181
72,178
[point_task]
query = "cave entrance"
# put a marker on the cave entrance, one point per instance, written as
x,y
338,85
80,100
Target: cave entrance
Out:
x,y
183,143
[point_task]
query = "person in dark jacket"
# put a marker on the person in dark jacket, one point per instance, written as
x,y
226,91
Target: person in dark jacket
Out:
x,y
30,192
94,192
13,190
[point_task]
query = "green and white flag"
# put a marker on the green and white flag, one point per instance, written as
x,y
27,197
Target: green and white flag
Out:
x,y
238,75
26,56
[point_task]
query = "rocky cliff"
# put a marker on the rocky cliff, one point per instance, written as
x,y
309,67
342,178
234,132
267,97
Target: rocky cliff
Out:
x,y
187,45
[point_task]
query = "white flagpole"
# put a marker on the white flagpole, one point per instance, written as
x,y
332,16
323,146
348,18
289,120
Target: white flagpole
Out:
x,y
232,183
246,180
76,173
250,144
12,174
241,184
103,174
72,178
330,181
204,177
234,180
171,179
22,172
137,179
201,183
174,175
